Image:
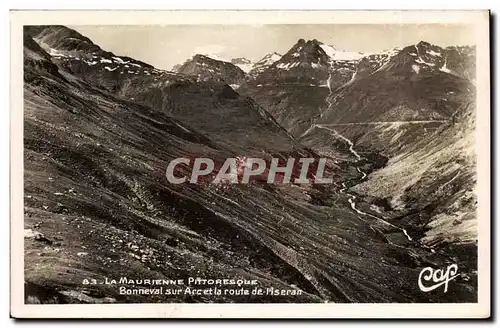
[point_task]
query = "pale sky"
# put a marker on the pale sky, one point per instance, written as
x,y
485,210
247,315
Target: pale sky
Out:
x,y
167,45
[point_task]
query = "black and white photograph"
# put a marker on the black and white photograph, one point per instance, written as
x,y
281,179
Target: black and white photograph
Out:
x,y
253,163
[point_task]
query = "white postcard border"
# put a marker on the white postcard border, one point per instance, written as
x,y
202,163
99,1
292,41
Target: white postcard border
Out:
x,y
479,20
